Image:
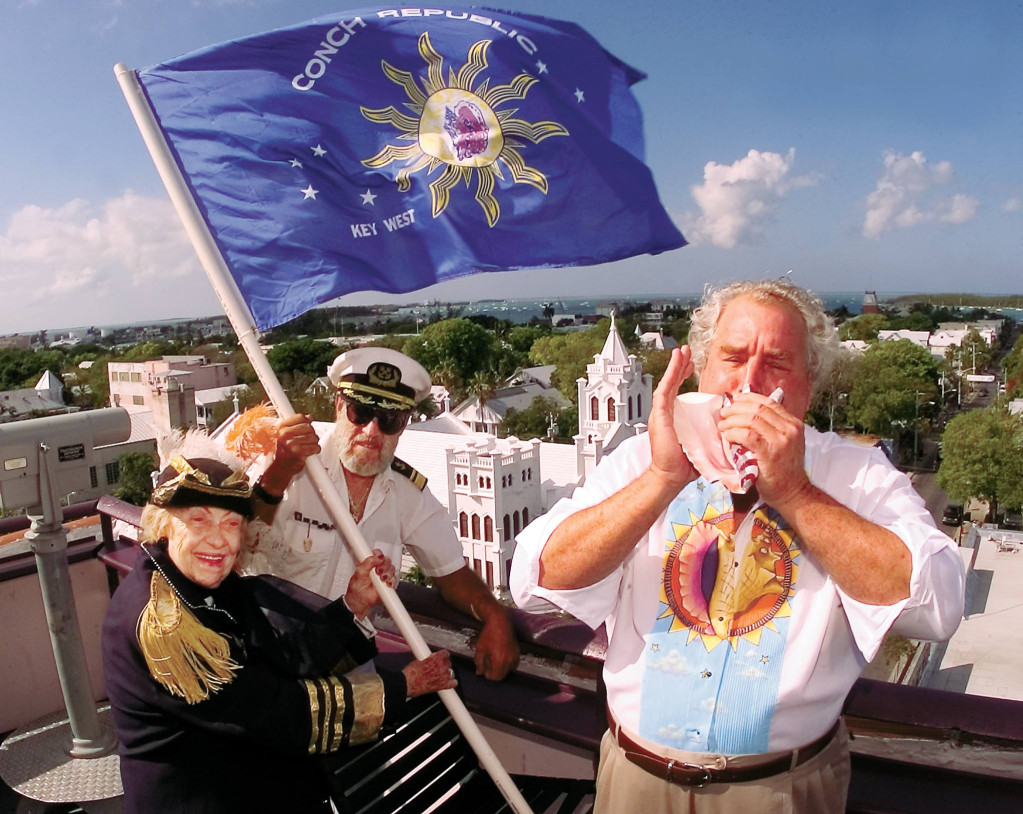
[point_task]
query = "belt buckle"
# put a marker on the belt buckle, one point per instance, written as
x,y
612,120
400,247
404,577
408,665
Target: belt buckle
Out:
x,y
705,774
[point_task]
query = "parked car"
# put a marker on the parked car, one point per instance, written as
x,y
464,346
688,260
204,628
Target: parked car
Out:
x,y
1013,520
953,515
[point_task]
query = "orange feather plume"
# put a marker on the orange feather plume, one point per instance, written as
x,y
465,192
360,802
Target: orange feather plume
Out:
x,y
254,433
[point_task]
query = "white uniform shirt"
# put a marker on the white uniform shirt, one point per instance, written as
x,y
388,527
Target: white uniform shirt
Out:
x,y
752,650
397,514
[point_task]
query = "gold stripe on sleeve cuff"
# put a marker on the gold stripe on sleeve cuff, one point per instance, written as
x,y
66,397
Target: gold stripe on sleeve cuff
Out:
x,y
314,714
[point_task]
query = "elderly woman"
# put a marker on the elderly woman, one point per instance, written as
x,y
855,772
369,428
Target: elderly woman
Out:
x,y
225,688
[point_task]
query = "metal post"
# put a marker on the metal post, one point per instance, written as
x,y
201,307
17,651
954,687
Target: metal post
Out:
x,y
48,539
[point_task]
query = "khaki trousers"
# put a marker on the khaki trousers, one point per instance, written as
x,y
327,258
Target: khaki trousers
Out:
x,y
819,786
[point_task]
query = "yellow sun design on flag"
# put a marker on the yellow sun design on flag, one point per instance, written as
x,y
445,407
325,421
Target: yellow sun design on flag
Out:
x,y
457,124
748,593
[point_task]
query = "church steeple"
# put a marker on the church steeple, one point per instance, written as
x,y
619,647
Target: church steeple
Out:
x,y
614,400
614,349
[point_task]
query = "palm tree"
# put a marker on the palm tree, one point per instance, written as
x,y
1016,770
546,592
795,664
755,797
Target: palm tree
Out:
x,y
482,386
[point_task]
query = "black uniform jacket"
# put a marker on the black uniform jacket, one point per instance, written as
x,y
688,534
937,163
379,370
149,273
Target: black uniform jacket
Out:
x,y
251,745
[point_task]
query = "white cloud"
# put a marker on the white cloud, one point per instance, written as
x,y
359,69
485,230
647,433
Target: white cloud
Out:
x,y
738,200
903,196
1013,205
672,663
80,263
56,252
752,672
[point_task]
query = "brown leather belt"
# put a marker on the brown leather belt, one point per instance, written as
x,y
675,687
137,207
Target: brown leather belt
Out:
x,y
693,774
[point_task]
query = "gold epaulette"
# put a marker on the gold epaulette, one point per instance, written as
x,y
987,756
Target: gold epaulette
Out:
x,y
418,478
184,656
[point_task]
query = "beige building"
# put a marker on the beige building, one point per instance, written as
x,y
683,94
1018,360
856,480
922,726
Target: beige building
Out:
x,y
172,388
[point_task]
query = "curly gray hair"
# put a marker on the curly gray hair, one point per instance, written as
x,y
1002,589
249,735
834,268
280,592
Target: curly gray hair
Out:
x,y
822,346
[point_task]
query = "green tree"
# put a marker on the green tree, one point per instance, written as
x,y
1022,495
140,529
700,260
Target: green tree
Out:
x,y
1012,368
459,347
243,371
982,457
831,401
570,353
22,367
865,327
534,420
483,385
655,362
135,481
522,337
893,384
306,356
974,354
151,350
97,379
916,320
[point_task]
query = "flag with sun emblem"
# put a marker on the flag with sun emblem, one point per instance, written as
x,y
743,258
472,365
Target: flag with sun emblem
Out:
x,y
389,149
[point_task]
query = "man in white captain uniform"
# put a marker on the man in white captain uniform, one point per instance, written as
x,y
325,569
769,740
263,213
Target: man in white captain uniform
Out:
x,y
378,389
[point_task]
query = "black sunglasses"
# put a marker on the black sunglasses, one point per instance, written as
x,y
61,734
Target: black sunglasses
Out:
x,y
390,422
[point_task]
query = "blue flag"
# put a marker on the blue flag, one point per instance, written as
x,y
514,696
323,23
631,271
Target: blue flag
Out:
x,y
390,149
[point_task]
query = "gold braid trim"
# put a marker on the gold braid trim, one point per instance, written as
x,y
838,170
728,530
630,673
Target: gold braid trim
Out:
x,y
386,399
188,659
368,699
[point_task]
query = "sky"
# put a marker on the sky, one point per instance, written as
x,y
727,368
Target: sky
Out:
x,y
862,145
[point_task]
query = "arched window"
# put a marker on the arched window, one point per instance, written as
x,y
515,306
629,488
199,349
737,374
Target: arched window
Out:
x,y
639,405
594,409
529,473
630,408
489,486
481,481
515,521
610,408
488,528
463,524
475,527
525,518
507,527
523,475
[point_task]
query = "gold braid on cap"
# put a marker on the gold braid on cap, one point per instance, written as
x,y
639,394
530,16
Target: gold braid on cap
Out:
x,y
184,656
374,396
189,477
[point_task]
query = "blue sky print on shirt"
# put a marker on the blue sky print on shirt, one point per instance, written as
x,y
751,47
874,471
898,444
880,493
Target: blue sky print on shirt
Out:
x,y
698,695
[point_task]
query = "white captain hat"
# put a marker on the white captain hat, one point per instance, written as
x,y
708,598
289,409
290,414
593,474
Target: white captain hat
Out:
x,y
380,377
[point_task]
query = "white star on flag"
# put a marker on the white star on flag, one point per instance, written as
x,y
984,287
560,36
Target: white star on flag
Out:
x,y
310,193
579,95
368,197
318,151
541,66
296,163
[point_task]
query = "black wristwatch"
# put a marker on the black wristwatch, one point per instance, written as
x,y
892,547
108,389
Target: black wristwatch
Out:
x,y
270,500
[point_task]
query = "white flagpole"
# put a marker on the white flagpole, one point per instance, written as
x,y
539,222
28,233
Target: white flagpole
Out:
x,y
241,319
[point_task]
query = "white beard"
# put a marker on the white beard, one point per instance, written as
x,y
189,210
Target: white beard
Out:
x,y
365,464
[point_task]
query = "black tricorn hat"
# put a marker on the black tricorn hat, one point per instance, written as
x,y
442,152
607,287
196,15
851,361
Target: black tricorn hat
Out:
x,y
203,482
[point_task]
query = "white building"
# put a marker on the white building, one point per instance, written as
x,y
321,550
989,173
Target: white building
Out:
x,y
45,398
614,400
493,487
515,393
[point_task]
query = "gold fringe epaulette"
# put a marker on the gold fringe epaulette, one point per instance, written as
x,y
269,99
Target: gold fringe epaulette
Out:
x,y
188,659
